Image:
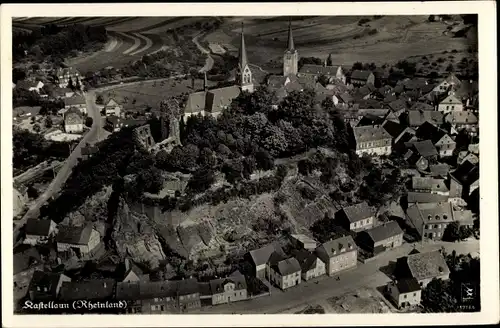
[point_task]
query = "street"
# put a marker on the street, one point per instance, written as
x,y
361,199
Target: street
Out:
x,y
365,275
209,61
92,136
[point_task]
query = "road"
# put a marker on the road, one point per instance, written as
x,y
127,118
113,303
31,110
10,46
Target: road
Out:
x,y
92,136
365,275
209,63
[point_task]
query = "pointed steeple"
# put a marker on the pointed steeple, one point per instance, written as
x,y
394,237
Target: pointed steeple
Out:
x,y
291,46
243,51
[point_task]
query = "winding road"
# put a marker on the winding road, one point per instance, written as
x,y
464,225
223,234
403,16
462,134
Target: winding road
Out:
x,y
137,42
149,44
209,62
96,133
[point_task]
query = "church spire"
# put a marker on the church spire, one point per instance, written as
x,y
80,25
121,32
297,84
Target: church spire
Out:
x,y
243,51
291,46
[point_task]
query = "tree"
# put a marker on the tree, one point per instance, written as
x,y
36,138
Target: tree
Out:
x,y
264,160
450,68
357,66
48,122
89,121
452,232
78,85
99,100
37,128
201,180
70,84
329,60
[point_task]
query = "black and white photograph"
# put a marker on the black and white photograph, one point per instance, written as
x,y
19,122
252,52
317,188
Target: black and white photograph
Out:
x,y
258,164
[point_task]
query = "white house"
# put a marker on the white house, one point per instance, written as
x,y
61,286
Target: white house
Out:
x,y
39,231
73,121
450,104
284,272
83,240
405,292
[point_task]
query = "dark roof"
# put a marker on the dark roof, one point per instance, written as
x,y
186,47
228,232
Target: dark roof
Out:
x,y
467,173
44,280
370,133
25,84
333,247
149,290
397,105
217,285
217,99
306,259
429,131
26,111
74,100
357,212
393,128
287,266
87,290
407,285
425,197
361,75
90,150
439,170
427,265
428,184
319,70
425,148
261,256
384,231
128,291
37,227
74,235
25,257
345,97
187,287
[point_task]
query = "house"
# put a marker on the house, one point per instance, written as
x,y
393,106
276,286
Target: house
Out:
x,y
398,106
188,294
424,197
439,170
229,289
24,112
464,218
39,231
128,271
27,260
82,240
447,83
113,108
440,139
361,77
423,267
284,272
464,180
115,123
416,117
211,102
450,104
64,75
260,258
88,151
430,219
463,121
45,286
382,237
338,254
405,292
429,185
467,156
372,140
35,86
356,217
75,101
421,149
310,264
91,290
62,93
398,132
303,241
332,72
73,121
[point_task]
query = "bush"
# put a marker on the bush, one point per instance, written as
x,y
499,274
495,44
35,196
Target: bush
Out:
x,y
89,121
372,31
363,21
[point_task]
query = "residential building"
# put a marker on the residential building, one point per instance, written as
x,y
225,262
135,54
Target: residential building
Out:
x,y
27,260
64,75
75,101
424,197
331,72
356,217
310,264
303,241
115,123
35,86
291,56
260,258
397,131
372,140
24,112
188,294
464,120
423,267
429,185
113,108
338,254
39,231
464,180
62,93
450,104
398,106
128,271
421,149
382,237
405,292
229,289
440,139
439,170
464,218
88,151
284,272
45,286
467,156
82,240
430,219
91,290
73,121
445,85
417,117
361,77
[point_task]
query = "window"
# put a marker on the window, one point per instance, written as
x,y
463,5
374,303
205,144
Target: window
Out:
x,y
414,294
405,296
435,226
452,107
447,107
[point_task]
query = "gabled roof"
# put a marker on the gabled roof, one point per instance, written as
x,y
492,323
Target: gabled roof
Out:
x,y
87,290
428,184
384,231
74,100
397,105
417,118
261,256
345,97
334,247
217,99
26,111
466,174
408,285
320,70
195,102
306,259
427,265
112,103
74,235
430,213
361,75
425,148
425,197
45,281
287,266
276,81
370,133
358,212
451,100
463,217
25,258
37,227
25,84
239,281
303,238
439,170
393,128
461,117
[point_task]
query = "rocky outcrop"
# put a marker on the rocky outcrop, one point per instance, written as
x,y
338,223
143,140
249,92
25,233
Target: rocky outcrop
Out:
x,y
19,202
135,237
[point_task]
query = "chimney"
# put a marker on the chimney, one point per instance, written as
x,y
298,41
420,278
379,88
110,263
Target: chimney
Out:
x,y
127,264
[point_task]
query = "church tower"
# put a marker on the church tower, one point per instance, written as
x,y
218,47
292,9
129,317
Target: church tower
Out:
x,y
291,56
244,75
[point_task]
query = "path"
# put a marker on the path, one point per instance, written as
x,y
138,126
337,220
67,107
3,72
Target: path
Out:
x,y
149,44
365,275
137,42
65,171
209,62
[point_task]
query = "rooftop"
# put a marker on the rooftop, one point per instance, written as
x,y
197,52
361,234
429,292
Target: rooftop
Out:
x,y
306,259
319,70
417,117
429,184
261,256
384,231
427,265
74,235
287,266
466,174
37,227
407,285
370,133
239,281
461,117
87,290
358,212
334,247
361,75
425,197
